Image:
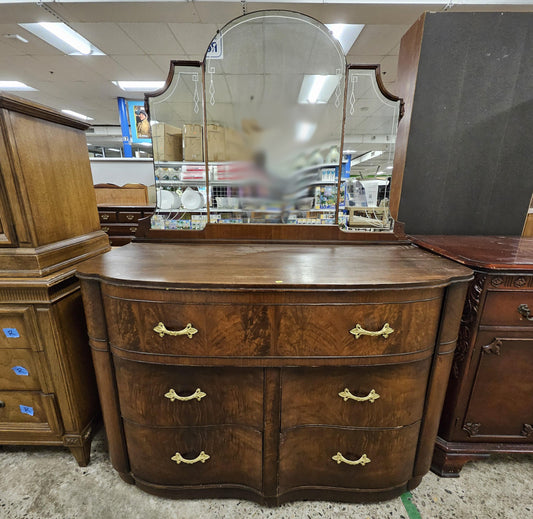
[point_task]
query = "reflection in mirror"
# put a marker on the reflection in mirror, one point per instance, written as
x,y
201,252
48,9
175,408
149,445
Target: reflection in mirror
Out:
x,y
368,153
177,118
274,101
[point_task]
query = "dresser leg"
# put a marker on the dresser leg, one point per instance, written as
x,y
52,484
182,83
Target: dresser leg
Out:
x,y
82,454
448,464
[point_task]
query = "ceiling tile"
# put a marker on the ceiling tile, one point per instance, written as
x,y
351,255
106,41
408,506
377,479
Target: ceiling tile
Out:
x,y
108,37
140,67
153,38
193,37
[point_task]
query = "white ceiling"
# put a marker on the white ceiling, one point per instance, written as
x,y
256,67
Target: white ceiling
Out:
x,y
140,38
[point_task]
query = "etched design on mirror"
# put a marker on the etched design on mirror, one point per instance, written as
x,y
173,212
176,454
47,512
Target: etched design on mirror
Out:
x,y
277,121
177,130
254,133
368,152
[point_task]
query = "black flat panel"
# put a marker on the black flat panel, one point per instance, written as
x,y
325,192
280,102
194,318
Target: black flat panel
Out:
x,y
470,151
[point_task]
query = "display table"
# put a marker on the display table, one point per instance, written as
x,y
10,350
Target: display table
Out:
x,y
488,406
272,372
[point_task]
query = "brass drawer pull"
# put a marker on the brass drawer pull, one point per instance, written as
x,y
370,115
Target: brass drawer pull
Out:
x,y
104,217
198,394
384,332
202,458
524,311
133,229
129,217
189,331
105,228
339,458
346,395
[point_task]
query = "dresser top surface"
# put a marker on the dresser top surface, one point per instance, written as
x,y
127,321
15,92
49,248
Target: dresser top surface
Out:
x,y
489,252
273,266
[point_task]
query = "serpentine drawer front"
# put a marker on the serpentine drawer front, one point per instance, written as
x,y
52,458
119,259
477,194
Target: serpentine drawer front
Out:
x,y
272,385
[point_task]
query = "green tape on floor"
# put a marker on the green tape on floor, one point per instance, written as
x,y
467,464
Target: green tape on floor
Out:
x,y
410,508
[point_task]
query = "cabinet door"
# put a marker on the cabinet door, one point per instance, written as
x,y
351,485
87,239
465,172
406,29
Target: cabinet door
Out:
x,y
500,406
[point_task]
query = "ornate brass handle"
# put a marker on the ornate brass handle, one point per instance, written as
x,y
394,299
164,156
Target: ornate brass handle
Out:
x,y
524,311
189,331
202,458
172,395
105,228
339,458
129,217
104,217
346,395
359,330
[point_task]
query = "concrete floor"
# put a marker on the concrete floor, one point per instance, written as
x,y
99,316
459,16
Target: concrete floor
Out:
x,y
46,482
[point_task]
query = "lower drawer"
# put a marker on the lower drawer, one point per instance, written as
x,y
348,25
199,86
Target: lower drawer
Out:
x,y
234,455
28,408
17,370
375,396
155,394
307,457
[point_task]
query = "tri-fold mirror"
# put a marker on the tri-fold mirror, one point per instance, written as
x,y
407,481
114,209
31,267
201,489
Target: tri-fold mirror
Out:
x,y
273,127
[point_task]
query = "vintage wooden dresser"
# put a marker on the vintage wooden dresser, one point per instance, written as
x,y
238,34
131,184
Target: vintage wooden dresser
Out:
x,y
272,371
48,223
489,402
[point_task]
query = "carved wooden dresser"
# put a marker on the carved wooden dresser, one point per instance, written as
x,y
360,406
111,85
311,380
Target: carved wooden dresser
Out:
x,y
488,406
48,223
272,371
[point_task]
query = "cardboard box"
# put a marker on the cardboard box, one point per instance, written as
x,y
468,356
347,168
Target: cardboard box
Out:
x,y
193,149
167,142
216,143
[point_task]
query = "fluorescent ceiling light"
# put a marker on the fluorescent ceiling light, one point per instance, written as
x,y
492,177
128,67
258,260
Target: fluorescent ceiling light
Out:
x,y
304,131
77,115
345,33
113,149
62,37
317,89
139,86
366,156
15,86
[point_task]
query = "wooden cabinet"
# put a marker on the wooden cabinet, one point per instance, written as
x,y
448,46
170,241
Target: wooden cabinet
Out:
x,y
488,406
272,372
121,222
48,223
47,386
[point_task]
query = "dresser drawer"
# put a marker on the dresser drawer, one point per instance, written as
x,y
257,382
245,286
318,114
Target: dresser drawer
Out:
x,y
391,395
277,330
242,330
17,327
235,455
130,216
17,370
107,216
161,395
27,407
501,308
306,457
350,330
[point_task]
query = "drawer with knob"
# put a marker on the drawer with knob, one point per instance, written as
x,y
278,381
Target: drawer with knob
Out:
x,y
508,308
175,396
27,409
346,458
373,396
209,455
